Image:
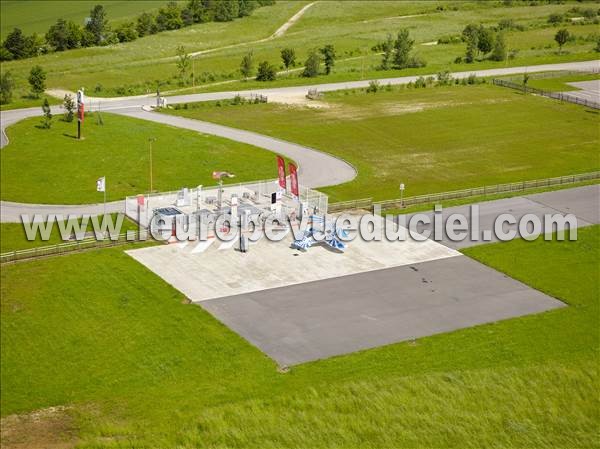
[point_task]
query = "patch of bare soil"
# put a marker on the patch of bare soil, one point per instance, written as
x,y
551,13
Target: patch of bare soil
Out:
x,y
49,428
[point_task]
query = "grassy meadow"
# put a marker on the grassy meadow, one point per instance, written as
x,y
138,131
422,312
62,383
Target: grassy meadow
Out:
x,y
139,367
434,139
64,170
353,27
36,16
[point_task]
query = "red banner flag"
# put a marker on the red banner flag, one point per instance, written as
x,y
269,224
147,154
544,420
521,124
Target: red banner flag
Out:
x,y
281,172
80,112
294,179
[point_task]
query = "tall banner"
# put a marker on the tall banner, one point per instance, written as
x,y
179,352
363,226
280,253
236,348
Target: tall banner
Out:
x,y
294,180
281,172
80,106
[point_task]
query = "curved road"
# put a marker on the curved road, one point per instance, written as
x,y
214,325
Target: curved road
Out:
x,y
317,169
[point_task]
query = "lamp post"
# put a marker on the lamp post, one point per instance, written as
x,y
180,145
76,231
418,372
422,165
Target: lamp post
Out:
x,y
151,139
402,195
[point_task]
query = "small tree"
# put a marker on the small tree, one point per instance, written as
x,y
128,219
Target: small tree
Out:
x,y
266,72
247,65
561,38
288,56
37,81
485,41
183,63
555,19
328,53
69,105
402,48
499,53
388,48
312,66
6,87
47,120
98,23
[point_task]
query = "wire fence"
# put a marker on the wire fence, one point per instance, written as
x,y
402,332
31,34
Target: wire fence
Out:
x,y
522,186
562,96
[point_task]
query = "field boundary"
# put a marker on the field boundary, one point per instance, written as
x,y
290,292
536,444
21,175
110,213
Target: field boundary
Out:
x,y
521,186
561,96
67,247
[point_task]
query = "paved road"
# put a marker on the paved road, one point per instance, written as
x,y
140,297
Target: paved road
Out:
x,y
306,157
316,169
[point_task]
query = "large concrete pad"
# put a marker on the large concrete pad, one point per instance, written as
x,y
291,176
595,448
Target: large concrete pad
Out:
x,y
583,202
315,320
215,272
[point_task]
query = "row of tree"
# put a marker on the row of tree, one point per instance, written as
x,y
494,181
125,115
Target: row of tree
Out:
x,y
484,41
66,34
312,66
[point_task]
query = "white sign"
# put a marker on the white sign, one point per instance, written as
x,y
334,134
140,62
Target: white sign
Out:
x,y
402,186
101,184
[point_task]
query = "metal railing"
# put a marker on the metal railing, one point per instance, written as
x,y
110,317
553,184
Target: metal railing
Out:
x,y
521,186
562,96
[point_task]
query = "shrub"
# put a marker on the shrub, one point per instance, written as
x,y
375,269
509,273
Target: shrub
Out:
x,y
555,19
312,65
6,87
47,120
69,105
373,86
415,62
37,80
266,72
420,82
444,78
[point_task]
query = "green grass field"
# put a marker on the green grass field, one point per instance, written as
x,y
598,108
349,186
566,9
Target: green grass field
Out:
x,y
36,16
433,140
559,83
353,27
63,170
138,367
13,236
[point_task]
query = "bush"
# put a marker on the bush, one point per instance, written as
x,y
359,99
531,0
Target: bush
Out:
x,y
69,105
373,86
420,82
6,87
266,72
444,78
415,62
37,81
555,19
312,65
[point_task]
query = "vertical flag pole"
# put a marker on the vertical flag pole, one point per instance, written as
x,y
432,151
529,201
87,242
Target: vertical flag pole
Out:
x,y
105,197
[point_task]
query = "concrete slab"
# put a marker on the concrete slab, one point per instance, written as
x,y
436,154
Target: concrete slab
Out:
x,y
583,202
315,320
208,273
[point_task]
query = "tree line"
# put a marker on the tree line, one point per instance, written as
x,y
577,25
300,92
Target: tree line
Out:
x,y
66,34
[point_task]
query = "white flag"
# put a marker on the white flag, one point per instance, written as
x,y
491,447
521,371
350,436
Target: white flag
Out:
x,y
101,184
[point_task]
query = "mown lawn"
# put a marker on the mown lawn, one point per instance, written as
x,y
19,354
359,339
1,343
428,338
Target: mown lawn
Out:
x,y
559,83
52,166
434,139
140,368
13,236
353,27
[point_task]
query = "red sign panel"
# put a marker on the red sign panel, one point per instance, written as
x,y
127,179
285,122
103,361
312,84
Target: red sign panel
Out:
x,y
294,179
281,172
80,112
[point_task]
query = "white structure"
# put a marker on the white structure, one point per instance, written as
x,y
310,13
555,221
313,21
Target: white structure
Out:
x,y
239,200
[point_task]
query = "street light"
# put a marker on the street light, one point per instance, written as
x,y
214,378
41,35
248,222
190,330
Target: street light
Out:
x,y
151,139
402,195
